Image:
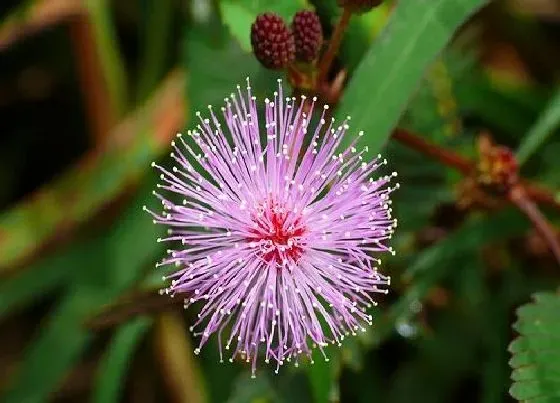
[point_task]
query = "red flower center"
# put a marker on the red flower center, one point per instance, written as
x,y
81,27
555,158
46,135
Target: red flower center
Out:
x,y
278,233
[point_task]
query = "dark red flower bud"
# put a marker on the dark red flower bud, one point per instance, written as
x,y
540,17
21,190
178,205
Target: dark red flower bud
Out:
x,y
308,35
272,41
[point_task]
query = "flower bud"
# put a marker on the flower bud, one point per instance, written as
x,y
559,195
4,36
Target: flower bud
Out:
x,y
272,41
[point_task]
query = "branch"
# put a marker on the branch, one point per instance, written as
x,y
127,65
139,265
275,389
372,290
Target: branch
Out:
x,y
519,197
137,303
440,154
466,167
334,44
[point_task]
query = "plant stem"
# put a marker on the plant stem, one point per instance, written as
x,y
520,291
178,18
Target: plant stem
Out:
x,y
449,158
334,44
538,193
442,155
519,197
140,303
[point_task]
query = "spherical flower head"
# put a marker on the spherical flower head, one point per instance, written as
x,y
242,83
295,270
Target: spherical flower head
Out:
x,y
272,231
308,35
272,41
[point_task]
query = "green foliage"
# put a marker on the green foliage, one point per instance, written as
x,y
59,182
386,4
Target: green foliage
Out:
x,y
323,376
547,123
79,193
107,267
256,390
414,36
113,369
106,39
36,281
444,259
208,81
440,335
158,23
536,352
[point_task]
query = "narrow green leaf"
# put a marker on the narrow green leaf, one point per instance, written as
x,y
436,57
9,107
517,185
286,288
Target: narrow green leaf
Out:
x,y
114,71
535,359
546,124
112,370
157,30
392,68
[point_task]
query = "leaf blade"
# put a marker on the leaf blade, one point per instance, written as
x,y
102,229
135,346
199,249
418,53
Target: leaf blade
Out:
x,y
545,125
414,36
111,370
535,359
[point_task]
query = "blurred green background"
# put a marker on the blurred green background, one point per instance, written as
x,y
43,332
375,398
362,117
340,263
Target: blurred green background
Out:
x,y
92,91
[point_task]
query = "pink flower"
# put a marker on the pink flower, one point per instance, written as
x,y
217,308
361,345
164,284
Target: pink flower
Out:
x,y
272,236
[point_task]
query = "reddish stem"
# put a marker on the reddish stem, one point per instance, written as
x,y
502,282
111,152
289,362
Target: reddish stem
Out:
x,y
442,155
519,197
334,44
538,193
449,158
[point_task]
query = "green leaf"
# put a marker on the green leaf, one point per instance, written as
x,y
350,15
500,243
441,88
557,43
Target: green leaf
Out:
x,y
112,370
323,376
470,237
432,264
112,63
239,19
35,281
546,124
108,265
59,346
499,109
157,30
437,366
209,83
249,390
238,15
536,352
393,66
